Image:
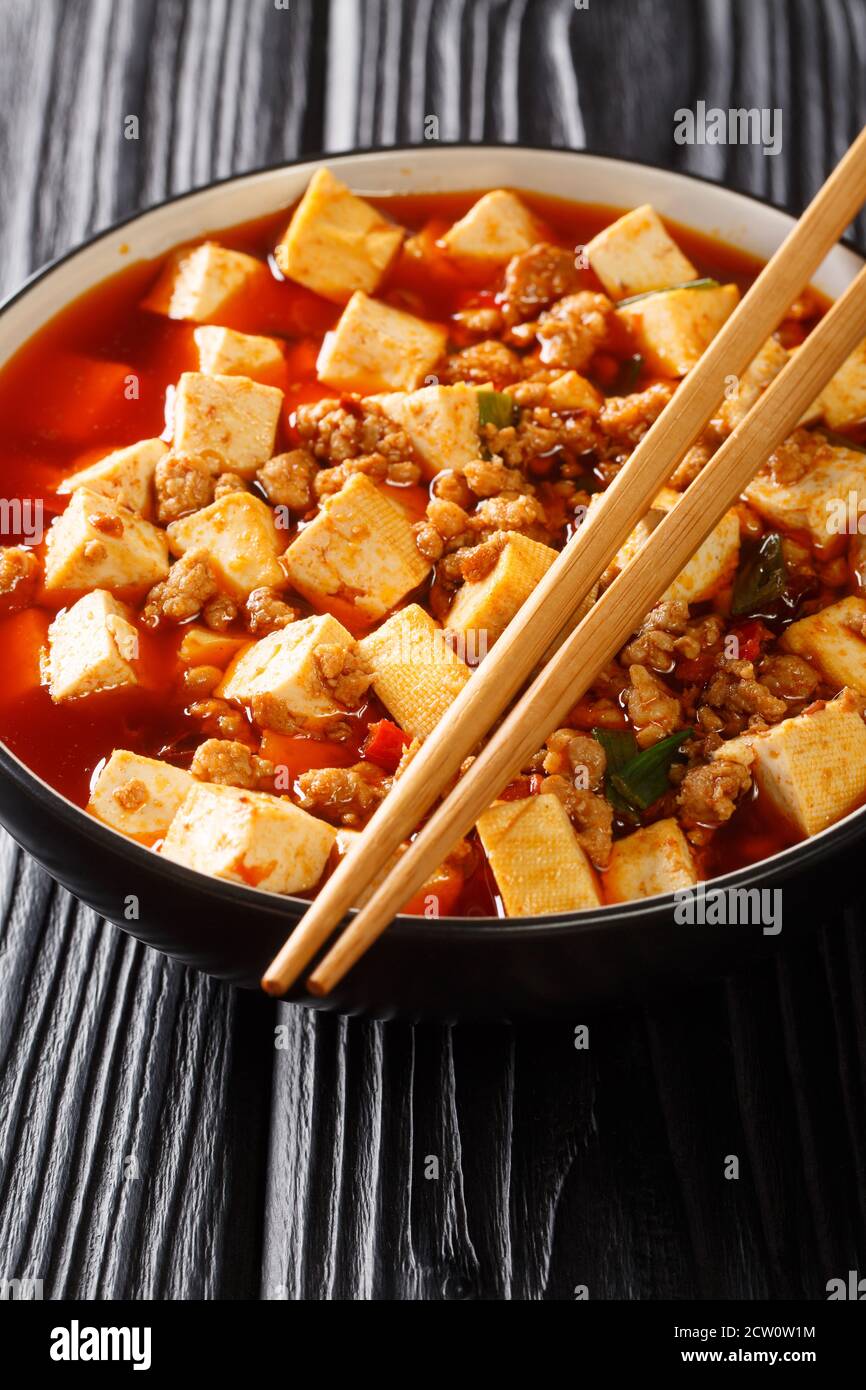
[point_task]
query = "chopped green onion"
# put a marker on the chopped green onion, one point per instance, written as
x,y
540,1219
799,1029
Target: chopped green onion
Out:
x,y
705,283
496,408
645,778
761,578
628,375
620,748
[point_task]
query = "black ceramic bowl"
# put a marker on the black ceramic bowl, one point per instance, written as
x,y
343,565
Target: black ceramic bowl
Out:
x,y
556,966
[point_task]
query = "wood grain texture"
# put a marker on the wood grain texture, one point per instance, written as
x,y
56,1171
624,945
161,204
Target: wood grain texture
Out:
x,y
300,1171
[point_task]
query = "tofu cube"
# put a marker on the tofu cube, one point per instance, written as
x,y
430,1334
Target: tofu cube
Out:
x,y
201,647
199,284
833,640
813,768
126,475
843,400
636,254
486,606
762,369
672,328
283,665
712,566
815,495
97,544
139,796
337,243
91,646
249,837
537,861
360,548
494,229
229,419
224,352
240,538
655,859
571,391
441,422
377,348
416,672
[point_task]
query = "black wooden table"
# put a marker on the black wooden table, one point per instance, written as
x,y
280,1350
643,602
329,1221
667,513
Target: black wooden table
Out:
x,y
162,1136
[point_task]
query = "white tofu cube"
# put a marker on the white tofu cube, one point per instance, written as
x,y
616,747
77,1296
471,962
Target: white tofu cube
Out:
x,y
240,538
228,419
126,475
360,548
199,284
762,369
654,859
713,565
416,672
486,606
809,485
571,391
283,665
91,646
494,229
224,352
636,253
672,328
138,796
337,243
97,544
441,422
837,649
813,768
249,837
377,348
843,400
536,858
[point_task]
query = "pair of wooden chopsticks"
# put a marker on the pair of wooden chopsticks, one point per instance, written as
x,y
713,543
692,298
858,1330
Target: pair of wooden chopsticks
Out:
x,y
547,616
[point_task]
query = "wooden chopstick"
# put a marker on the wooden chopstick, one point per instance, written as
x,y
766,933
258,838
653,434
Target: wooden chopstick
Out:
x,y
550,609
610,621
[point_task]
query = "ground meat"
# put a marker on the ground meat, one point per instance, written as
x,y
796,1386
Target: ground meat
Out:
x,y
190,584
708,795
201,680
693,461
591,815
108,525
343,672
856,622
483,363
94,551
477,561
287,479
231,764
738,700
349,428
227,483
184,483
789,677
331,480
539,433
428,541
626,419
537,277
652,708
19,572
491,477
482,319
343,795
571,752
131,795
796,457
451,486
221,720
219,613
265,611
656,641
525,515
574,329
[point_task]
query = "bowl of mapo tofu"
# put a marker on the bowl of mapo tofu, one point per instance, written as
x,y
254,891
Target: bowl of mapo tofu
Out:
x,y
284,457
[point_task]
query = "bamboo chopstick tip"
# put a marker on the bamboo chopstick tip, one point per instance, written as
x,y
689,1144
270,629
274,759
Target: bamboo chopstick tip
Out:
x,y
273,985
